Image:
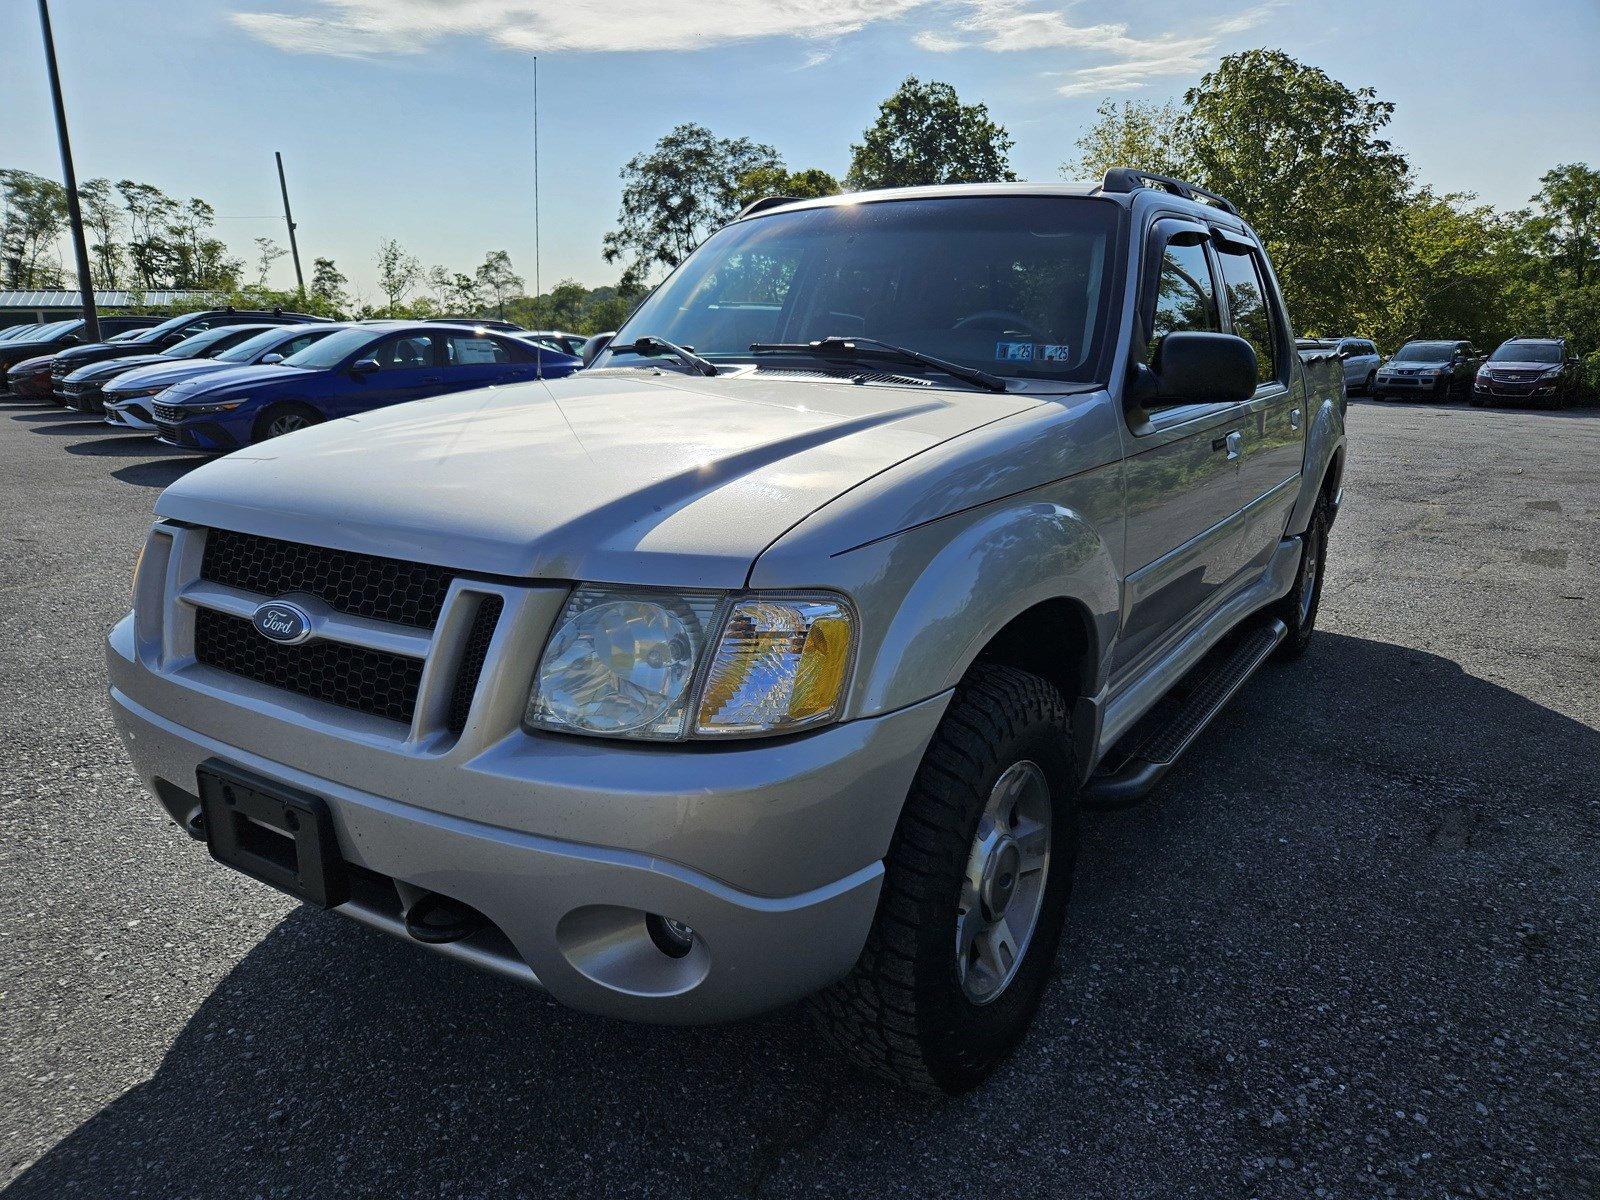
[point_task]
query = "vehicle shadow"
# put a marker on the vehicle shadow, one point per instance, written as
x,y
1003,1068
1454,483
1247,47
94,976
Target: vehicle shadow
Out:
x,y
125,446
1297,894
159,472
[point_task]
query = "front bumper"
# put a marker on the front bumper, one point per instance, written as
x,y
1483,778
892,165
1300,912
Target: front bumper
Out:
x,y
1412,383
130,414
771,851
208,437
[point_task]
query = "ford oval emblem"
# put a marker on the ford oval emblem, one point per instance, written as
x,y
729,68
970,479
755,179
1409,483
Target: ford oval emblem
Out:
x,y
282,622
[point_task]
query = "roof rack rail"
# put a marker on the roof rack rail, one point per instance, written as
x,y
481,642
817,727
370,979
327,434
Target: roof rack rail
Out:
x,y
1130,179
765,203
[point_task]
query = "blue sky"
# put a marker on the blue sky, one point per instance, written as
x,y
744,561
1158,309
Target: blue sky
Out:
x,y
412,118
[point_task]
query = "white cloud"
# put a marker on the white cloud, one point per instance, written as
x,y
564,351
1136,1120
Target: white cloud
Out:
x,y
370,28
374,27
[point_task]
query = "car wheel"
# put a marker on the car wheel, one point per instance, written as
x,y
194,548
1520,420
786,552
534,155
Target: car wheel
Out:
x,y
284,418
974,894
1298,610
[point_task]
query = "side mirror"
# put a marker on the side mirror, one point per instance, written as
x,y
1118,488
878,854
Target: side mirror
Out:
x,y
1204,368
593,347
268,359
364,366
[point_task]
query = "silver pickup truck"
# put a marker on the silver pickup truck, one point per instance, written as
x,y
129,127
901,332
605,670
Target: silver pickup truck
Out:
x,y
774,654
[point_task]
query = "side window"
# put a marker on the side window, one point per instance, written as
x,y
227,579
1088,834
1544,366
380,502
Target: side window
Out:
x,y
464,350
1186,297
1249,309
405,353
295,345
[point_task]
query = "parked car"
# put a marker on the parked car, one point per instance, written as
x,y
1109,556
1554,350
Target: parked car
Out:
x,y
18,331
1438,369
352,371
30,379
1529,369
704,680
1359,355
128,398
567,343
172,331
483,323
58,336
81,389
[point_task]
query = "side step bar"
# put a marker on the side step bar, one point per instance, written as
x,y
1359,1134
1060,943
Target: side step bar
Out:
x,y
1171,727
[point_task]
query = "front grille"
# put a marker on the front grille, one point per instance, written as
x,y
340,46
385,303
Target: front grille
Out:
x,y
364,585
472,659
368,681
170,413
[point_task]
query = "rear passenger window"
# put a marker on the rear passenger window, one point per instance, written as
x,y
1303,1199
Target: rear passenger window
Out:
x,y
1186,298
1248,308
404,353
469,351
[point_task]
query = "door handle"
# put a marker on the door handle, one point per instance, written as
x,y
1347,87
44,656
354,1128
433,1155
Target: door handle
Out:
x,y
433,379
1235,445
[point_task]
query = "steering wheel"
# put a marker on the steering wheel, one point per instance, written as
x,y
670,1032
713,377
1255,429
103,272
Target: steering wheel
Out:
x,y
1000,320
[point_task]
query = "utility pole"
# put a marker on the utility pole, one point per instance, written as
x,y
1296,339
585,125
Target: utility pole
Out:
x,y
294,246
91,318
538,289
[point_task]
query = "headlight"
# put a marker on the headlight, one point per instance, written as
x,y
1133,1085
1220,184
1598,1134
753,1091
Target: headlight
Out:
x,y
138,393
625,663
197,410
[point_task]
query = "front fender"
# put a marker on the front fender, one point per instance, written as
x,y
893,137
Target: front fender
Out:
x,y
1325,440
949,591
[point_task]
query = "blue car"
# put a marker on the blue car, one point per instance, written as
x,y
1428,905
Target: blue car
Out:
x,y
352,371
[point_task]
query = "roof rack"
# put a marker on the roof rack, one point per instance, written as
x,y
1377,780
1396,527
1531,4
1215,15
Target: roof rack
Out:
x,y
765,203
1131,179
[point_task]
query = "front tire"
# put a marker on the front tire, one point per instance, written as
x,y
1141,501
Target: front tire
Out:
x,y
974,895
280,419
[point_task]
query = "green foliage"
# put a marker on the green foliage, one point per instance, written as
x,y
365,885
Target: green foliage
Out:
x,y
573,308
34,216
1132,133
676,195
327,287
1567,223
495,281
777,180
398,273
925,135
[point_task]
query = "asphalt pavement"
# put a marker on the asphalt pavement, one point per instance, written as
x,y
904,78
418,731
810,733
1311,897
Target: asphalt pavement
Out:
x,y
1349,949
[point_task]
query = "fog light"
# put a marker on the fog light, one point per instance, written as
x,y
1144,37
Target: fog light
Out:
x,y
672,938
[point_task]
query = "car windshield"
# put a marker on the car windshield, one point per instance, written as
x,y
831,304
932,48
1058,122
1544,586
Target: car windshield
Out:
x,y
1534,352
127,335
196,346
334,349
1013,285
43,332
1424,352
248,349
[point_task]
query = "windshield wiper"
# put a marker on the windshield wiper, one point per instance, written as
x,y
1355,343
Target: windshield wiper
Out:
x,y
651,347
864,347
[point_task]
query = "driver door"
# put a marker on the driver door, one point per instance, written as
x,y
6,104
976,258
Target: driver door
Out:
x,y
407,370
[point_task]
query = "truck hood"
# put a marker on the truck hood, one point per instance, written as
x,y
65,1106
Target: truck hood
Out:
x,y
622,476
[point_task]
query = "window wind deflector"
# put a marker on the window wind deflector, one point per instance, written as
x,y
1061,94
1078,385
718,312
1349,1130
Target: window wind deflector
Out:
x,y
651,347
844,348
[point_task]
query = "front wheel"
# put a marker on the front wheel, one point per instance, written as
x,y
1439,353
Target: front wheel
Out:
x,y
284,418
974,893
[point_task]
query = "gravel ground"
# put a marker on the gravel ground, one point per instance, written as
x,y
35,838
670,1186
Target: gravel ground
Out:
x,y
1349,949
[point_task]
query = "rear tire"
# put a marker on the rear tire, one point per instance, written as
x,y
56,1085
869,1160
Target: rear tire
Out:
x,y
935,1002
280,419
1298,610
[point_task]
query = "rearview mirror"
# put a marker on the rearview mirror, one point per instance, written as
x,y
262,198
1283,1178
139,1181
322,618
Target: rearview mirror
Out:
x,y
269,359
592,348
364,366
1205,368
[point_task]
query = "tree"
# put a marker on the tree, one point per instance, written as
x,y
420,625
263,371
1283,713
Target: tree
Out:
x,y
267,253
923,135
398,271
1132,133
496,281
775,179
149,210
1303,157
1568,221
327,285
678,194
102,222
35,215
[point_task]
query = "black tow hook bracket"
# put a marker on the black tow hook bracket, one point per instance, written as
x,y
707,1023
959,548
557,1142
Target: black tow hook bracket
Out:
x,y
437,919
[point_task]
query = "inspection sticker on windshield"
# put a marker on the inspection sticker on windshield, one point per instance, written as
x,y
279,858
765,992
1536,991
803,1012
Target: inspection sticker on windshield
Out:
x,y
1014,351
1055,352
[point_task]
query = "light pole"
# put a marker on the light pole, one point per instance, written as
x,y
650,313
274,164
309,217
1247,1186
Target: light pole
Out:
x,y
91,318
294,246
538,290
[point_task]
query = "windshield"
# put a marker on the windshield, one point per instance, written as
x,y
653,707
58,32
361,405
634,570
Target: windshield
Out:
x,y
196,346
153,334
1534,352
1425,352
54,330
1013,285
252,346
17,331
333,349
